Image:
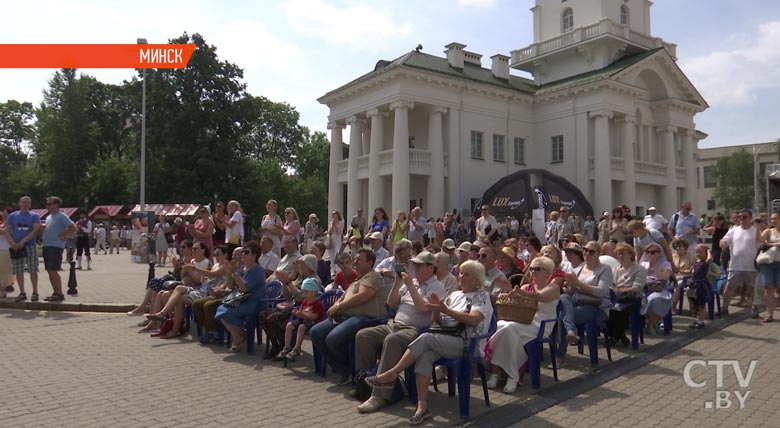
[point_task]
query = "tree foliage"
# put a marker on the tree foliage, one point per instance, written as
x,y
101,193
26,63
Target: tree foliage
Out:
x,y
207,138
734,177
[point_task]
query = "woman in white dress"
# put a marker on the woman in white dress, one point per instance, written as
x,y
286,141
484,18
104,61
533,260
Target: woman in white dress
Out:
x,y
268,226
335,231
505,348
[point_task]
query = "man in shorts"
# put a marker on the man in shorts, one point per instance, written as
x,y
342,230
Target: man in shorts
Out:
x,y
58,227
742,241
25,227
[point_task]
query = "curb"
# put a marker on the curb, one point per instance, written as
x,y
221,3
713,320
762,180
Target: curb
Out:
x,y
67,306
513,413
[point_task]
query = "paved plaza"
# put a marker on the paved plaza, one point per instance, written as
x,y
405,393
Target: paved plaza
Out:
x,y
87,369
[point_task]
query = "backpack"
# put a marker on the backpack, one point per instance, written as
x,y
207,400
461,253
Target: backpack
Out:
x,y
673,223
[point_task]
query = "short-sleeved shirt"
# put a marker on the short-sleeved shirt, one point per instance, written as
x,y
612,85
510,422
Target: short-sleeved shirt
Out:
x,y
286,264
314,307
485,221
491,276
685,224
655,221
407,313
389,264
416,232
22,223
269,261
55,224
381,254
343,280
743,248
237,229
375,307
466,302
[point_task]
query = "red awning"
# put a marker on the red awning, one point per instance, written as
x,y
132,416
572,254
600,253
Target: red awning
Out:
x,y
107,210
41,212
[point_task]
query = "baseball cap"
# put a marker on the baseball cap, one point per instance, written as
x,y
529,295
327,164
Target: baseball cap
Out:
x,y
448,244
424,257
464,247
375,235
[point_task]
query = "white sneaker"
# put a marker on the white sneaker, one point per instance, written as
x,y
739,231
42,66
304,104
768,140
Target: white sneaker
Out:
x,y
511,387
492,381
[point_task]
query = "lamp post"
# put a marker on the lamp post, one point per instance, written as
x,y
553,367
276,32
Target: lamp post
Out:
x,y
756,172
142,41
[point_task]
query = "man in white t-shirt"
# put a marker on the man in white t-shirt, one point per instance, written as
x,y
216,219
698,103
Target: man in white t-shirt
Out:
x,y
268,260
656,221
742,241
487,226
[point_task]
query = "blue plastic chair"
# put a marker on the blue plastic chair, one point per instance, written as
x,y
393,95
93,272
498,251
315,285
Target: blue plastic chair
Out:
x,y
592,329
328,299
683,286
459,372
714,297
250,324
535,348
637,325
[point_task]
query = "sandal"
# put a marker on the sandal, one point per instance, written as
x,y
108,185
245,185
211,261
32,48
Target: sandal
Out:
x,y
767,319
34,297
419,418
55,298
374,381
21,297
236,348
155,317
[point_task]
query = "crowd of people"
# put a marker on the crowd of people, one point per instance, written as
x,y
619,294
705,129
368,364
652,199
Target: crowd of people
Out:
x,y
433,282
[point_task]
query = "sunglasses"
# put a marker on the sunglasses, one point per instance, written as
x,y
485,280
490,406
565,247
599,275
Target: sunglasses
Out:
x,y
245,252
483,256
535,268
588,251
652,252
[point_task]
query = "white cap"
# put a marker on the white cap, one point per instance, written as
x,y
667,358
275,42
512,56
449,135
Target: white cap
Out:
x,y
651,209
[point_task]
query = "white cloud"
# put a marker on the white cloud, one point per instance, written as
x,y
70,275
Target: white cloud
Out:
x,y
476,3
358,25
736,77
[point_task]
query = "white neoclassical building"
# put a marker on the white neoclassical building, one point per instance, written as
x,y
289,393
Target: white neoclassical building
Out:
x,y
608,108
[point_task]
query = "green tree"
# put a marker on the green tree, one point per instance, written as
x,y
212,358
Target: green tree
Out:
x,y
734,177
17,133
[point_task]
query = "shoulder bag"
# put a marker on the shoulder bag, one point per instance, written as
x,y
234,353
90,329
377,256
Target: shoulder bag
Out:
x,y
582,299
235,298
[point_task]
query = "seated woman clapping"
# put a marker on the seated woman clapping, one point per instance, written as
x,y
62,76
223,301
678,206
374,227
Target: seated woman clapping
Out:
x,y
469,306
156,285
505,348
629,284
658,299
205,309
184,295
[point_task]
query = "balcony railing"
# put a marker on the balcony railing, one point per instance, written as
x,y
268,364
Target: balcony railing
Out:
x,y
419,164
605,26
650,168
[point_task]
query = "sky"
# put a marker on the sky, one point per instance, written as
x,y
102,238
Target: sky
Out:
x,y
295,51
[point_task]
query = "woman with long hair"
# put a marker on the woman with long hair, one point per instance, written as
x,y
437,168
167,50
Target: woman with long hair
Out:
x,y
271,225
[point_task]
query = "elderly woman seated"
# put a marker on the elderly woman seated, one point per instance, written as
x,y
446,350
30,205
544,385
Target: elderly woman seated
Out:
x,y
629,284
410,296
204,309
156,285
184,295
469,306
504,348
658,299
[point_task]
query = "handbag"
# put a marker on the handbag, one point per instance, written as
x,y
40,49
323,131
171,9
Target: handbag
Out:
x,y
449,330
169,238
627,297
235,298
766,257
581,299
19,254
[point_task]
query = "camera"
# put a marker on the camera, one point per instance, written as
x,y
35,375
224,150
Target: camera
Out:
x,y
400,268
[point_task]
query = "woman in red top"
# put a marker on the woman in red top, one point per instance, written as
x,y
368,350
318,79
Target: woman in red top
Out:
x,y
202,229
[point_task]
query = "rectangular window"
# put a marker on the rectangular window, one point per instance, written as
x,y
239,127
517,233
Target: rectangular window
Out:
x,y
499,151
711,205
519,151
557,148
476,145
710,181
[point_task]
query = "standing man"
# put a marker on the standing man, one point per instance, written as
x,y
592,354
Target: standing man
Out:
x,y
487,226
84,231
742,240
100,239
25,227
58,226
685,225
656,221
113,239
359,222
418,226
566,226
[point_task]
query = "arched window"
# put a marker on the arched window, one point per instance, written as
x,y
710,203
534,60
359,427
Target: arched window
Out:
x,y
567,20
624,15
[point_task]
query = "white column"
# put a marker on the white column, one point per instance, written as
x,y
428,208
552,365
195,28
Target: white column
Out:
x,y
689,148
667,146
335,194
354,190
628,135
401,179
435,204
602,166
376,187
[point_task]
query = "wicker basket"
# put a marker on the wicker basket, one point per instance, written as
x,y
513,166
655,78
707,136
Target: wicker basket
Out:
x,y
517,307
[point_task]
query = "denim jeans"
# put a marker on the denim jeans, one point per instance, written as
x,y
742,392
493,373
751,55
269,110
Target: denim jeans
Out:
x,y
332,340
572,316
